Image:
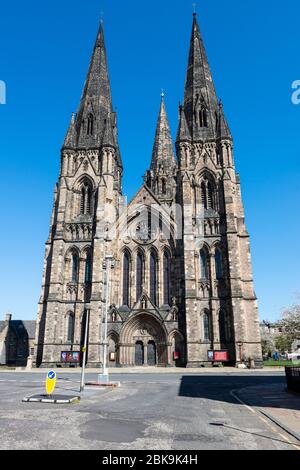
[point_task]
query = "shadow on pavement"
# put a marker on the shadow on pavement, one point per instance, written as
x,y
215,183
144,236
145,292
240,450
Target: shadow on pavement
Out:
x,y
218,388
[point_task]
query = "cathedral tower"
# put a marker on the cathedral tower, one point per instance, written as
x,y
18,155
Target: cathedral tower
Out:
x,y
220,303
86,199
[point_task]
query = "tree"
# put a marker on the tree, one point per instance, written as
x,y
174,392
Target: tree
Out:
x,y
283,343
290,322
267,347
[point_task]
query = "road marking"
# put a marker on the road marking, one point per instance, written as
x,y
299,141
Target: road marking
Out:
x,y
297,447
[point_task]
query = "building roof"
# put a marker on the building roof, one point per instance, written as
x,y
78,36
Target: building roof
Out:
x,y
19,327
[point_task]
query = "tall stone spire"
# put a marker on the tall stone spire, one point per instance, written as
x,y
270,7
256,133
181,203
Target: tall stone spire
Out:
x,y
162,154
96,103
200,100
160,177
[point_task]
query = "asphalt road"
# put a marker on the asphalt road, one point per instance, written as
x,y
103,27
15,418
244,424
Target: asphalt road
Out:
x,y
149,411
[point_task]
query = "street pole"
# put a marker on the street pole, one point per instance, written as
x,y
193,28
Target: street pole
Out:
x,y
104,377
105,372
84,349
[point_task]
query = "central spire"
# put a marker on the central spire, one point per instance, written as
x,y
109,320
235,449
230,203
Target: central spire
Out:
x,y
200,101
162,154
96,102
160,177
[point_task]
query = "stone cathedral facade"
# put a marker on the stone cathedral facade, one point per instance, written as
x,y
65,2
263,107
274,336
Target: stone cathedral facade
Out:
x,y
180,277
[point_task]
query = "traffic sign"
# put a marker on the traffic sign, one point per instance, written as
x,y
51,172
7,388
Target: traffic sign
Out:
x,y
50,382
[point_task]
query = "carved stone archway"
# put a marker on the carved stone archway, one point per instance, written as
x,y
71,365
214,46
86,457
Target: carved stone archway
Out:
x,y
143,328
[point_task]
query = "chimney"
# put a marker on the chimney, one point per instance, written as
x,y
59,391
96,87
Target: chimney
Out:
x,y
8,316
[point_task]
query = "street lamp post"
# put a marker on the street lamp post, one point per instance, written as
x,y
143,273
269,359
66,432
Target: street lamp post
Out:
x,y
87,320
108,263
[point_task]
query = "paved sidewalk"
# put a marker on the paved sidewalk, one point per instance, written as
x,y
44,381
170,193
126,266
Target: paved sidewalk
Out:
x,y
148,370
276,403
152,370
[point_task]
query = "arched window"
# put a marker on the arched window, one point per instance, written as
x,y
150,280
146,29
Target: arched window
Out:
x,y
208,193
203,117
210,203
166,278
153,278
90,124
203,264
163,186
70,327
207,326
74,275
85,198
218,263
139,275
126,272
88,269
225,327
203,195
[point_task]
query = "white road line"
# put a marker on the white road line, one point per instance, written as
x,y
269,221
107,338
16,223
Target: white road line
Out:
x,y
297,447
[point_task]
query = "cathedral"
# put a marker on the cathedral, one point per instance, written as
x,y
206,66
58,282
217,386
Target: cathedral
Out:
x,y
165,279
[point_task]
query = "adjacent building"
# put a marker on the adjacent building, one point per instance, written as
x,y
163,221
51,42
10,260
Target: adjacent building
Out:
x,y
16,341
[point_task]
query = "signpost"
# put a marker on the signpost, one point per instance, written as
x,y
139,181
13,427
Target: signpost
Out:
x,y
50,382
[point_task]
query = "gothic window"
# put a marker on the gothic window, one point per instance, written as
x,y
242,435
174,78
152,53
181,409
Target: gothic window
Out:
x,y
160,221
74,275
225,327
209,195
207,326
218,263
126,272
203,195
166,278
70,327
139,275
90,124
149,215
163,186
203,264
153,278
85,198
88,268
203,117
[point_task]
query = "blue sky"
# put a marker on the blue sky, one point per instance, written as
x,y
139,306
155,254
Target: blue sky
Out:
x,y
253,51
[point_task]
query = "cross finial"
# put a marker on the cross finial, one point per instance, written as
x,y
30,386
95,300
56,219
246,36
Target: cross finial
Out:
x,y
101,17
162,94
194,8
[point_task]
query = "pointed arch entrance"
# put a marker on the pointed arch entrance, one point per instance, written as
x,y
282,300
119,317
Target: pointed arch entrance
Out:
x,y
139,353
143,341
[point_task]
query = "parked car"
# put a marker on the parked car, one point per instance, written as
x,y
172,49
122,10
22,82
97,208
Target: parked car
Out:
x,y
294,357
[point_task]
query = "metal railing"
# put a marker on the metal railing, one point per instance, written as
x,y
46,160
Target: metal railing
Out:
x,y
293,378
